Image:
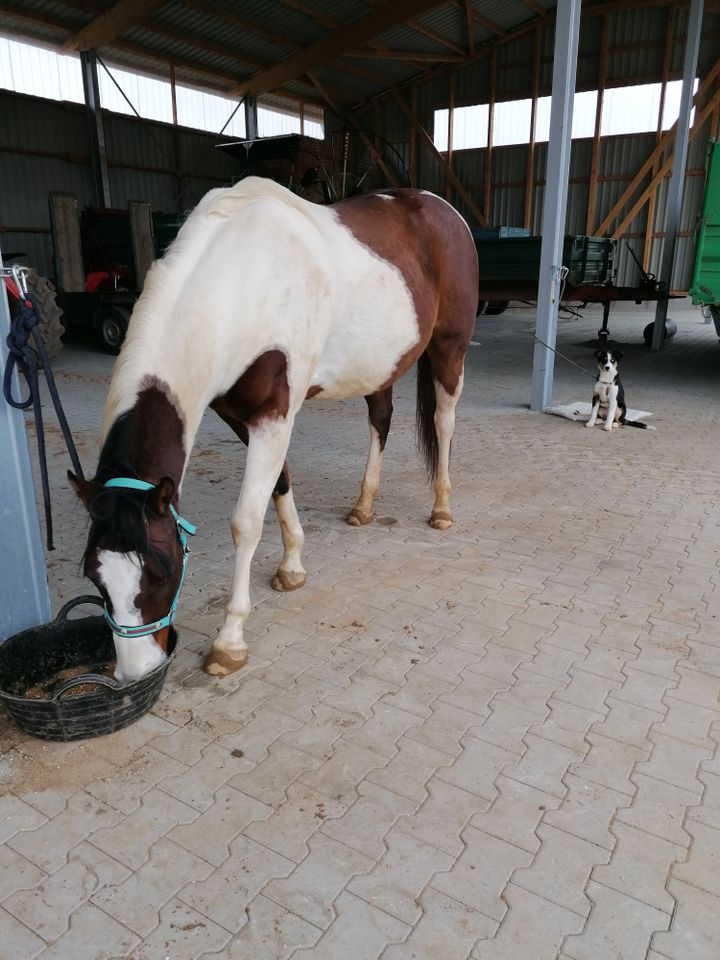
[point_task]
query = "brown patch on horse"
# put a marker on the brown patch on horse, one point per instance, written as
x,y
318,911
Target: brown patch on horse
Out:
x,y
261,393
313,392
160,451
424,238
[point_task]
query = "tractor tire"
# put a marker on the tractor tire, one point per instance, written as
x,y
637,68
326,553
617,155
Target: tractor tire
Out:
x,y
51,326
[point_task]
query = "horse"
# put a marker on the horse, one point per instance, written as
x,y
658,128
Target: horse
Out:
x,y
263,300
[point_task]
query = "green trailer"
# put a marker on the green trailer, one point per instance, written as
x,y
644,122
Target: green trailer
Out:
x,y
705,285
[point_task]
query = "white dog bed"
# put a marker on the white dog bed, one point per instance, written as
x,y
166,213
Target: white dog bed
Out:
x,y
581,411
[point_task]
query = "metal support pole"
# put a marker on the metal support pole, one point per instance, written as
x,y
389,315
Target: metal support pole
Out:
x,y
251,123
677,179
91,89
24,596
567,29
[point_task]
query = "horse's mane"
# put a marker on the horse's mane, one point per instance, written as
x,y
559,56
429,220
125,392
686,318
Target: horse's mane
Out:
x,y
117,513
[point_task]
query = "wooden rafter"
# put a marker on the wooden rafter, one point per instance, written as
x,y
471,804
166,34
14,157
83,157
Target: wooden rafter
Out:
x,y
595,158
112,23
350,121
667,57
700,119
535,7
530,177
427,140
434,35
470,24
242,22
405,55
335,44
667,139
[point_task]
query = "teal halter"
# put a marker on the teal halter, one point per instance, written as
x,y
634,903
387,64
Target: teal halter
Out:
x,y
183,527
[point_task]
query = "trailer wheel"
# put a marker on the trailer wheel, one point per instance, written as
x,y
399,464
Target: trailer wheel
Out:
x,y
714,309
51,326
111,324
496,307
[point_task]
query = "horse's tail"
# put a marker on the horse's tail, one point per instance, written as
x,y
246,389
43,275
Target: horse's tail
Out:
x,y
425,416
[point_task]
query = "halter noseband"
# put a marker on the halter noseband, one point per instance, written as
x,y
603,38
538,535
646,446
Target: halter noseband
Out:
x,y
183,527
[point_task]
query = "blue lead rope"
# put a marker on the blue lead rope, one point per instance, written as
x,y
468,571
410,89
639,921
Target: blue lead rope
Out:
x,y
183,527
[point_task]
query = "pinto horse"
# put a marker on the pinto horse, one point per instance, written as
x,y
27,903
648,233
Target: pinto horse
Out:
x,y
263,300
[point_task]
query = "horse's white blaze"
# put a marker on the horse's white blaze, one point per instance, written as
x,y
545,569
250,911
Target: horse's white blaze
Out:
x,y
120,574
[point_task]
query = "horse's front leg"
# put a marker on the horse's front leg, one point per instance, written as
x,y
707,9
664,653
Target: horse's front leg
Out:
x,y
267,446
380,410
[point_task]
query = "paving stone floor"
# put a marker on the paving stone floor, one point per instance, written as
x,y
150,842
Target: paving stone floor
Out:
x,y
498,742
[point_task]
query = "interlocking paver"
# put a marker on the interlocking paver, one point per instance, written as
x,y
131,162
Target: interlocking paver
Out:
x,y
288,829
224,895
92,934
123,790
136,901
15,815
45,908
640,869
369,819
340,774
587,810
618,926
210,834
515,813
543,765
19,943
694,929
702,866
482,872
181,934
440,819
410,769
361,931
269,931
48,846
446,929
675,761
476,769
269,779
561,869
609,763
312,888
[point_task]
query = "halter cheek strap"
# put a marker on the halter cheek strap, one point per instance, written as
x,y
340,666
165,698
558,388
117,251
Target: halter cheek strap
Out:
x,y
183,527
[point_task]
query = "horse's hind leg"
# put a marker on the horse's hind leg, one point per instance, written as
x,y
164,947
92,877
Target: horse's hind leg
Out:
x,y
441,517
290,574
440,383
380,410
267,447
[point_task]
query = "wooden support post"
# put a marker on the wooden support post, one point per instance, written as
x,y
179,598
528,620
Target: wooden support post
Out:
x,y
143,241
427,140
487,179
595,159
530,180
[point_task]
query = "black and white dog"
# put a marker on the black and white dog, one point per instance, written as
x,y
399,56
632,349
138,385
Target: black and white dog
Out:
x,y
608,395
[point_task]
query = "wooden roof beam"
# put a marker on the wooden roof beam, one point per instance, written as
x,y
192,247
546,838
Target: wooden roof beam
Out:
x,y
111,24
333,46
406,55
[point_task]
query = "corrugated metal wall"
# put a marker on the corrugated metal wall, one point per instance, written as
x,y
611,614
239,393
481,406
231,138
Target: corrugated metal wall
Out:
x,y
44,146
637,41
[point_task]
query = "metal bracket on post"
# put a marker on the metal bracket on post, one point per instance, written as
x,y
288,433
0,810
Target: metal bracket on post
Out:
x,y
567,30
98,152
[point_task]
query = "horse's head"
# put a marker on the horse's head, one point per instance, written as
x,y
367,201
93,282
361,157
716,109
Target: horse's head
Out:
x,y
135,556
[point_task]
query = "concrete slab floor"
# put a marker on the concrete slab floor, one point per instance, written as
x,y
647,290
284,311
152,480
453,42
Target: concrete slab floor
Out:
x,y
498,742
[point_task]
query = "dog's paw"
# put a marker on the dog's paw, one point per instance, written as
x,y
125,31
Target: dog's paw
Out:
x,y
589,425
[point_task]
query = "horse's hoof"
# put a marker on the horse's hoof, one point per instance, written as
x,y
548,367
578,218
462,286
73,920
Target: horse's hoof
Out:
x,y
359,519
441,520
218,663
284,581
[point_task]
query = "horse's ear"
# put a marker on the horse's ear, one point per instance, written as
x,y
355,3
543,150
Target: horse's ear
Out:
x,y
160,497
85,489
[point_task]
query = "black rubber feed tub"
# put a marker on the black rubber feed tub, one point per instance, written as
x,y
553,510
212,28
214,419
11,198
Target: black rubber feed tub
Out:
x,y
33,656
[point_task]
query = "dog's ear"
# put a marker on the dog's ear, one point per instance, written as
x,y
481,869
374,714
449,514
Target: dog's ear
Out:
x,y
618,355
599,354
